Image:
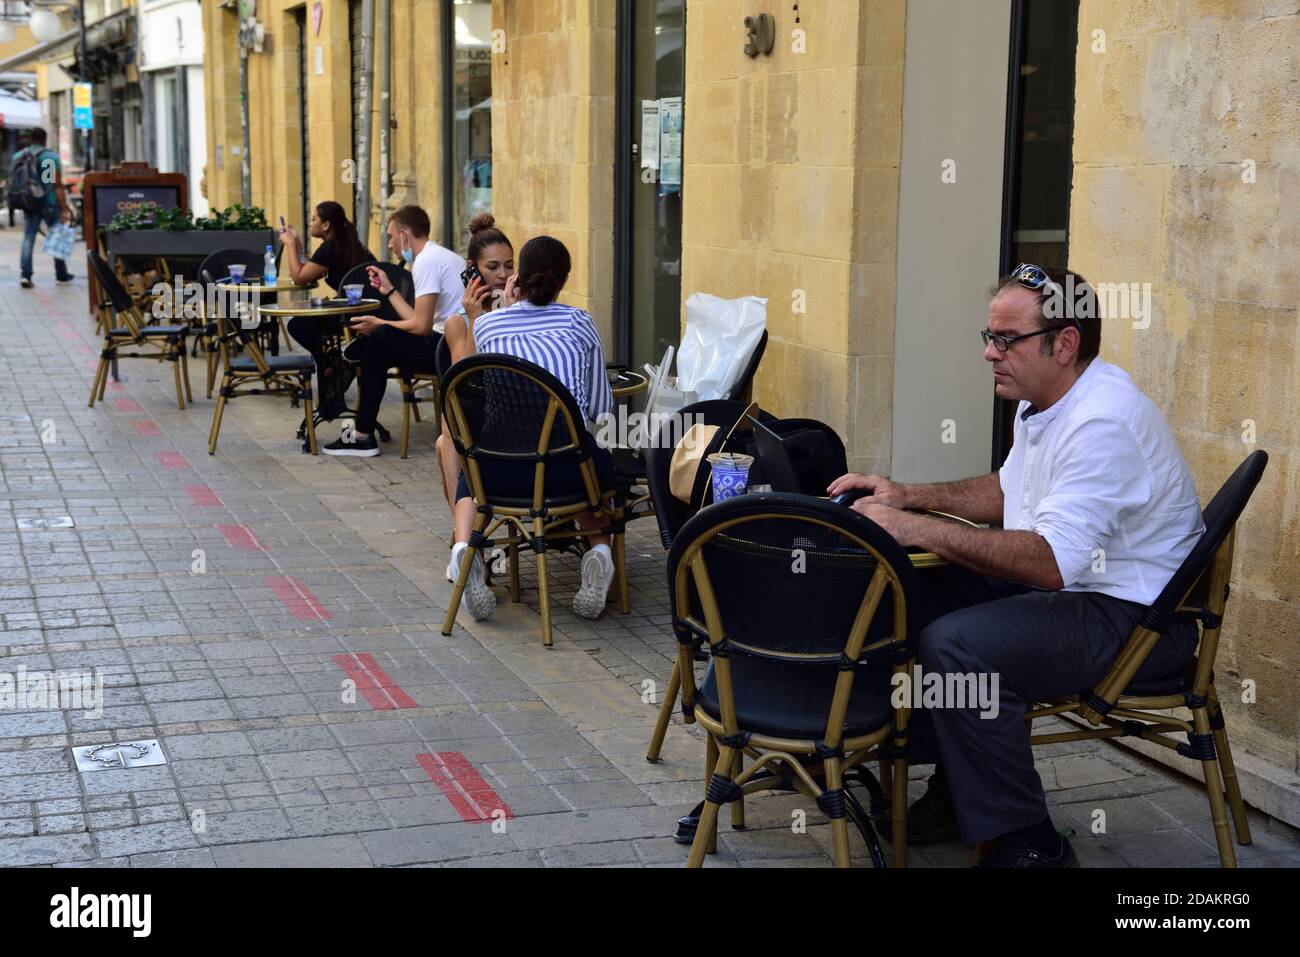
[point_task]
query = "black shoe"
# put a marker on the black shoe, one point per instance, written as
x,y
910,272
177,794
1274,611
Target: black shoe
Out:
x,y
366,448
68,278
1013,851
26,282
932,819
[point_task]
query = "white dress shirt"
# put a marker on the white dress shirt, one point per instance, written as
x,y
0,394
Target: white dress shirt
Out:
x,y
1100,476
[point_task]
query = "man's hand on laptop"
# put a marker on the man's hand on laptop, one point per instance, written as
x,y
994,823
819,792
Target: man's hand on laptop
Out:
x,y
878,491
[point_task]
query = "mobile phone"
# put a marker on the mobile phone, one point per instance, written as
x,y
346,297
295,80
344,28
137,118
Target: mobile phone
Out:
x,y
282,222
470,274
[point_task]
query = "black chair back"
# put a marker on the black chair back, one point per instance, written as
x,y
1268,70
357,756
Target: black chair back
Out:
x,y
1220,516
442,360
745,387
789,578
507,417
216,266
670,513
402,281
109,283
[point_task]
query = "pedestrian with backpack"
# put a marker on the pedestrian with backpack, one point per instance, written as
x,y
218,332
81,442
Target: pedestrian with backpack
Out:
x,y
36,187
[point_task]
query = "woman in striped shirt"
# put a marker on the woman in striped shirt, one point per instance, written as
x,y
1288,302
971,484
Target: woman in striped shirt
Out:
x,y
562,340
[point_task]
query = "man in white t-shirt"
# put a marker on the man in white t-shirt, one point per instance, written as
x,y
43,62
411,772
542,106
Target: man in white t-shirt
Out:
x,y
1097,511
411,342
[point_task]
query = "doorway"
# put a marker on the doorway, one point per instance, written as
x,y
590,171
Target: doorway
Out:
x,y
648,178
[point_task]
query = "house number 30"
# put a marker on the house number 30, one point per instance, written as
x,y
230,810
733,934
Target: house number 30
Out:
x,y
760,35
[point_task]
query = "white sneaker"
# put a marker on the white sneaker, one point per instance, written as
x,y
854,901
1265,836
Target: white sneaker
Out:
x,y
597,575
477,597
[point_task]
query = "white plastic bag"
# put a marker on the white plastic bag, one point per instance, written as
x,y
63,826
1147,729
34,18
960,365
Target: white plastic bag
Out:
x,y
721,336
60,240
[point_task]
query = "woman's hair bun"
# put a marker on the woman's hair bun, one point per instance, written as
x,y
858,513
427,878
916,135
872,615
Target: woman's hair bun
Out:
x,y
481,222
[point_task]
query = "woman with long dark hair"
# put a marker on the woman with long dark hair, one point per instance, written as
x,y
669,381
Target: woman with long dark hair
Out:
x,y
340,251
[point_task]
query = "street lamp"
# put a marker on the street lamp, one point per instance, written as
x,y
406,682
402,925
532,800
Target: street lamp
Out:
x,y
45,25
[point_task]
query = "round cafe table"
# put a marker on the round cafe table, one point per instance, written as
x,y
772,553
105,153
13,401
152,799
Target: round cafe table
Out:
x,y
331,370
626,384
261,291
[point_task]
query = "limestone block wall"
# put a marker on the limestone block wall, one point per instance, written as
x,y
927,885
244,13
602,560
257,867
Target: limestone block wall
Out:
x,y
553,137
1187,169
791,174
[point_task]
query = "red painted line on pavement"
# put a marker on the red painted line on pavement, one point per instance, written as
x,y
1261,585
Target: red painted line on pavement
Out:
x,y
380,691
297,597
146,427
115,386
203,496
171,460
463,786
127,404
85,350
241,538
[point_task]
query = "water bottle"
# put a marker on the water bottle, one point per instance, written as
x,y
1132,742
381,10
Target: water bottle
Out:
x,y
269,277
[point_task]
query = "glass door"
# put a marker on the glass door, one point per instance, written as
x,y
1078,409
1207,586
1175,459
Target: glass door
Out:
x,y
468,123
648,185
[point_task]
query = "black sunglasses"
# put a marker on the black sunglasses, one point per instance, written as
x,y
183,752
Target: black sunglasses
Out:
x,y
1031,277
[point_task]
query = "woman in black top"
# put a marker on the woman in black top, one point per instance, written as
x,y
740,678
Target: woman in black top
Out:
x,y
339,252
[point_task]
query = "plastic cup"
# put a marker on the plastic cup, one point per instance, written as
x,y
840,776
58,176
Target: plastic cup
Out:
x,y
730,474
237,272
353,293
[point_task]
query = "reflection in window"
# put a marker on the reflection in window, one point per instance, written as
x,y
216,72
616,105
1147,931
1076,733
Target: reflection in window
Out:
x,y
471,147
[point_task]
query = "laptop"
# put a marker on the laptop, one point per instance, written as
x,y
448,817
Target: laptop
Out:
x,y
775,457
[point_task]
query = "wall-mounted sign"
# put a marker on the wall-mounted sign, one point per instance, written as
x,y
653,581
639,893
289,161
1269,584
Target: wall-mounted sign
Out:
x,y
316,11
670,145
82,116
650,134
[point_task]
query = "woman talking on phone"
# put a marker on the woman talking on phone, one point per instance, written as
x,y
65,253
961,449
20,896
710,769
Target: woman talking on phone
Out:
x,y
490,264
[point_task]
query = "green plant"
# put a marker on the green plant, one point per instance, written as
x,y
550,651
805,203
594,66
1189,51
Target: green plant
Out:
x,y
152,216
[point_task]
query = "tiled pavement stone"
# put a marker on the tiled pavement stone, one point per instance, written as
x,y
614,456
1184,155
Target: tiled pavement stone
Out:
x,y
273,759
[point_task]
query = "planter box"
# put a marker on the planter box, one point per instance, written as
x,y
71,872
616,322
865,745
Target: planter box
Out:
x,y
193,244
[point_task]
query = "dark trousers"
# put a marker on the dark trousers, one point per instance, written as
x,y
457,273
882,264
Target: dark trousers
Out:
x,y
1040,645
382,350
49,215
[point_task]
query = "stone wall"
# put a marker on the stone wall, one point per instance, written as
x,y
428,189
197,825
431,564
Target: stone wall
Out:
x,y
1187,169
791,187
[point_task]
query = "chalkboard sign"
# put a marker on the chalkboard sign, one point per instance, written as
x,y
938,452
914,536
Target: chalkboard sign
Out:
x,y
121,189
111,200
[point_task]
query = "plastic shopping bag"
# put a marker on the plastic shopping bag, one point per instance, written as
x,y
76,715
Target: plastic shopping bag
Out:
x,y
721,336
60,240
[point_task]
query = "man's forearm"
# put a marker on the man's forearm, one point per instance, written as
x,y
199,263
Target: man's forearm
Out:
x,y
977,499
1016,556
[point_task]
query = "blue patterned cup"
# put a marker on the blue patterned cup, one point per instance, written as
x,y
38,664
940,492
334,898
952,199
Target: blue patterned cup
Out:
x,y
237,272
730,474
354,294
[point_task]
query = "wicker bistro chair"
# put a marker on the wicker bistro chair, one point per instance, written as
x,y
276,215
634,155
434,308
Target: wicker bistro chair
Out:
x,y
254,373
410,381
166,342
505,412
216,268
1121,707
804,605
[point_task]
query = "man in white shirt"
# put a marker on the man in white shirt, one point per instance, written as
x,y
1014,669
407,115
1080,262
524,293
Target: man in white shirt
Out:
x,y
1098,510
411,342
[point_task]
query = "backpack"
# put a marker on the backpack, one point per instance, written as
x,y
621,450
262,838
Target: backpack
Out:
x,y
26,189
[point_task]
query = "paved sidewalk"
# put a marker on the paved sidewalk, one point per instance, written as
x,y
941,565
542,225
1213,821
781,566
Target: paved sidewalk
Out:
x,y
274,620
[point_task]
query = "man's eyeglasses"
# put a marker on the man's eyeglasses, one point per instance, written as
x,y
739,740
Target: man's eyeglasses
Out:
x,y
1004,343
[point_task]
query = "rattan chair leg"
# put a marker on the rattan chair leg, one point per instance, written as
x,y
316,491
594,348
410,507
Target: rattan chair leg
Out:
x,y
706,835
1214,791
216,416
100,374
839,825
415,411
513,550
665,714
176,377
103,382
1229,770
185,375
406,417
898,812
710,768
543,590
211,358
738,805
309,422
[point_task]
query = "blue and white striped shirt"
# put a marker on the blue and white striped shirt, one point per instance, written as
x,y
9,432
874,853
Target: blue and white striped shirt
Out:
x,y
561,339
